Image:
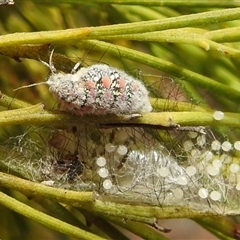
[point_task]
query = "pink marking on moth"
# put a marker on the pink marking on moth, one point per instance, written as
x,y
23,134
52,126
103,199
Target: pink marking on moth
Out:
x,y
99,89
90,85
122,83
106,82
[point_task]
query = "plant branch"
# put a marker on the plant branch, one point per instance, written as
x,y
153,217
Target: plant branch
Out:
x,y
86,200
45,219
74,35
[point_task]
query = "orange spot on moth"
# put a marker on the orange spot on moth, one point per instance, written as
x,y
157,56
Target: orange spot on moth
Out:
x,y
121,83
106,82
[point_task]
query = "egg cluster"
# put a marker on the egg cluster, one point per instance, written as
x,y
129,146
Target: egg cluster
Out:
x,y
131,163
214,169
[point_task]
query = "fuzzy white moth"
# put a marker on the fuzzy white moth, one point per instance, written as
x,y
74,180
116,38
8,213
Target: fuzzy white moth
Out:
x,y
98,89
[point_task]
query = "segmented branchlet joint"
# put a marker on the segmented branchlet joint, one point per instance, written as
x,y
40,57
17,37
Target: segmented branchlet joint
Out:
x,y
98,89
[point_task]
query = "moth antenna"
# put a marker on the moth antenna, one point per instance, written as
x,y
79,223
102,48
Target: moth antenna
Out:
x,y
50,64
31,85
76,67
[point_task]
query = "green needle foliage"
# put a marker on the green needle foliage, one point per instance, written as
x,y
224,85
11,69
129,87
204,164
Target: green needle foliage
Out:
x,y
192,46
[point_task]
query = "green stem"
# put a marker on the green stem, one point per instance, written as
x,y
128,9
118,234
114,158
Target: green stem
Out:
x,y
224,35
184,37
35,189
36,115
140,229
162,104
12,103
219,226
45,219
103,225
86,200
60,212
71,35
38,52
167,3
